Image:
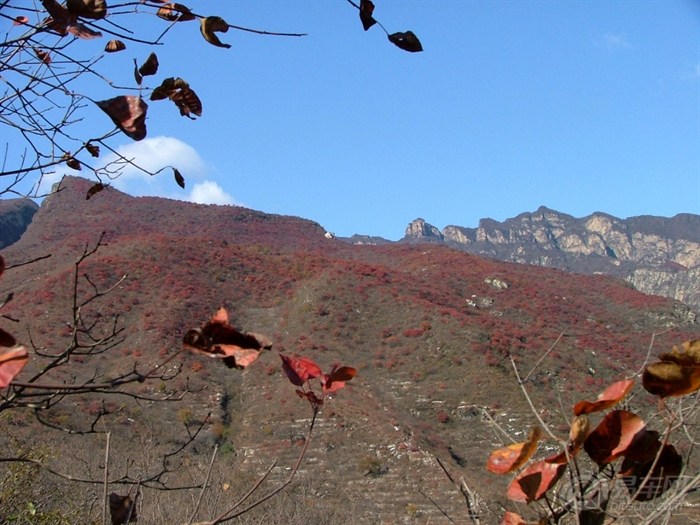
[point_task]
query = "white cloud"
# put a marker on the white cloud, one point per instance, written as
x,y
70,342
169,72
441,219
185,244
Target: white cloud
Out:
x,y
616,41
154,154
209,192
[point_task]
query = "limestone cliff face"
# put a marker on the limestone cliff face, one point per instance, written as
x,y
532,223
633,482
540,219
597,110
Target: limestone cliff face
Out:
x,y
657,255
15,216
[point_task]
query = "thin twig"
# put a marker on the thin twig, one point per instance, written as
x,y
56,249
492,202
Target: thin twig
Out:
x,y
204,487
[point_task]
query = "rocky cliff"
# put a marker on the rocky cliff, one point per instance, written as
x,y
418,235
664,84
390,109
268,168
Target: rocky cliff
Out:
x,y
15,216
657,255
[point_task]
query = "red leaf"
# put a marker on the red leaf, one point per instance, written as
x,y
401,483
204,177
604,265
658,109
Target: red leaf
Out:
x,y
12,360
512,457
534,482
128,112
300,369
609,397
20,20
614,436
337,378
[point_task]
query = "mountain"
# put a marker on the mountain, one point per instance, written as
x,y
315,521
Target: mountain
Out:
x,y
429,328
15,216
657,255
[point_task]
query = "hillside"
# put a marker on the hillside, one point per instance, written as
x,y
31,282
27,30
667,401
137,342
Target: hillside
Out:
x,y
15,216
429,329
657,255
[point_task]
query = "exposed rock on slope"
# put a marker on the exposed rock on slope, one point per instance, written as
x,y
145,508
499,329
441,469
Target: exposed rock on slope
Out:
x,y
15,216
657,255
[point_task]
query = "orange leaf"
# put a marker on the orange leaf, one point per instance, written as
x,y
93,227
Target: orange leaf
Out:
x,y
512,457
337,378
128,112
609,397
534,482
614,436
677,373
12,360
300,369
20,20
511,518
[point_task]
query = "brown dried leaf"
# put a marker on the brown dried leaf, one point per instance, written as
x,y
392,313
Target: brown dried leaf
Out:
x,y
512,457
42,55
407,41
209,26
92,149
20,20
366,10
174,12
95,9
179,178
150,66
179,91
95,188
82,31
218,339
677,373
128,112
608,398
121,508
73,163
114,46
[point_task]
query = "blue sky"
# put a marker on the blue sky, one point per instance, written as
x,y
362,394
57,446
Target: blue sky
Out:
x,y
580,106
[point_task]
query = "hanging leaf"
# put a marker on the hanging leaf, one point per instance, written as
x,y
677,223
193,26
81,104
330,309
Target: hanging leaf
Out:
x,y
209,26
12,360
337,378
174,12
42,55
406,41
512,457
179,91
137,75
665,472
614,436
121,508
299,369
676,373
534,482
59,19
82,31
578,432
92,149
150,66
608,398
218,339
179,178
128,112
74,163
366,10
96,188
20,20
94,9
114,46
